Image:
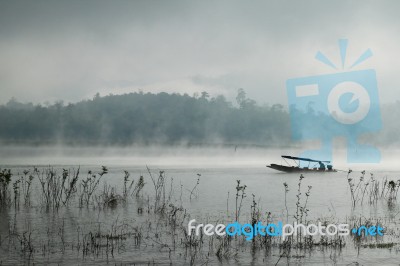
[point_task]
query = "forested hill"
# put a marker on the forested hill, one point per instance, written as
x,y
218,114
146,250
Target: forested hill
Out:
x,y
146,118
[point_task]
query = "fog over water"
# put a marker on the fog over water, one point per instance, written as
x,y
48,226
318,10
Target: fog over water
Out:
x,y
178,156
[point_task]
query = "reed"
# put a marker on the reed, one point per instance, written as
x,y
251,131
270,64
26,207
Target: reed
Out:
x,y
89,185
240,194
5,179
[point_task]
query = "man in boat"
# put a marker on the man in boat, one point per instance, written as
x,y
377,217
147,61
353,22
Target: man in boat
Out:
x,y
321,166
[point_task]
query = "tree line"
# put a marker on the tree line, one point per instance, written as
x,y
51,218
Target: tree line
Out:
x,y
162,118
146,118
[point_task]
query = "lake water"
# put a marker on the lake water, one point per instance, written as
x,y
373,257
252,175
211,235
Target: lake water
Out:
x,y
58,236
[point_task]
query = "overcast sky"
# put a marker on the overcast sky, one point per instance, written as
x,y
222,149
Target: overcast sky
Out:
x,y
69,50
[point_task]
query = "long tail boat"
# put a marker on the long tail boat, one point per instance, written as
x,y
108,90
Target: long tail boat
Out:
x,y
313,165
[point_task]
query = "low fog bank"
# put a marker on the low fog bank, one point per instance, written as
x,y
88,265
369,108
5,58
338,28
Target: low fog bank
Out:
x,y
174,156
177,156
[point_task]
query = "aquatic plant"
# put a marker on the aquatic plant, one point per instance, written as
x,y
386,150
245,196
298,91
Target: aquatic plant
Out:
x,y
89,186
286,186
240,194
5,179
195,186
26,182
372,189
138,187
159,189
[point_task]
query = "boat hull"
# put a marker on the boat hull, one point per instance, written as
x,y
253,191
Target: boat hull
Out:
x,y
295,169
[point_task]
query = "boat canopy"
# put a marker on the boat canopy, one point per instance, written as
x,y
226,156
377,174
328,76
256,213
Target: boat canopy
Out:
x,y
303,159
